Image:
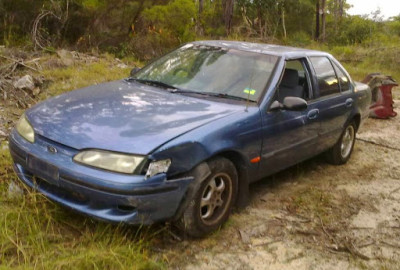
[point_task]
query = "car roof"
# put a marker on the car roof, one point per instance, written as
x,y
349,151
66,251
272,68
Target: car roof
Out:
x,y
271,49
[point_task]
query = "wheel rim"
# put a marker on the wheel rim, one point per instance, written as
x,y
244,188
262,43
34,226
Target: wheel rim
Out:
x,y
216,198
347,142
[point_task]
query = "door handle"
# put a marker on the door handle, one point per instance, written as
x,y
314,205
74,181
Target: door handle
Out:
x,y
313,114
349,102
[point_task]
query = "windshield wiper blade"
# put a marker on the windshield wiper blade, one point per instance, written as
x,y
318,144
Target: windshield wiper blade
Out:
x,y
233,97
154,83
184,91
218,95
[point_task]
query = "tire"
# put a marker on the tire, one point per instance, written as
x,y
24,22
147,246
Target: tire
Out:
x,y
340,153
212,202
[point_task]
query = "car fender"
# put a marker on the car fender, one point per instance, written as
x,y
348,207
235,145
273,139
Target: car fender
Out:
x,y
239,134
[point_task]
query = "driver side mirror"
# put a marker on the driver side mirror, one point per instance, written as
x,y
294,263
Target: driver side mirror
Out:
x,y
290,104
134,71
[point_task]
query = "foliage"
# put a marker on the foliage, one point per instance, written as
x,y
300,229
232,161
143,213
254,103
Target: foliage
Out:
x,y
174,18
148,28
164,27
357,30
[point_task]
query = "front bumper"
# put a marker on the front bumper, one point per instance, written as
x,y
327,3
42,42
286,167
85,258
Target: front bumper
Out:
x,y
100,194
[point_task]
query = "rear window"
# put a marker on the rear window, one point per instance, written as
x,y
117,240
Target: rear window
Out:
x,y
327,81
343,79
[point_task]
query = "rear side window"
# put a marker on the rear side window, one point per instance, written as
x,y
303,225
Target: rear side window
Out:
x,y
343,79
327,81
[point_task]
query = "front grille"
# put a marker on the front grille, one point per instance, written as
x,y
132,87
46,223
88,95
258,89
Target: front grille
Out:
x,y
72,196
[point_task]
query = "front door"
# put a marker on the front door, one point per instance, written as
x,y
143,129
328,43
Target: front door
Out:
x,y
289,136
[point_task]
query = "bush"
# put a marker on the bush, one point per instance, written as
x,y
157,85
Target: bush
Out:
x,y
355,30
300,39
175,18
163,28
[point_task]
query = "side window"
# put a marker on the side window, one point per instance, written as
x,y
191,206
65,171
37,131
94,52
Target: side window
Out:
x,y
343,79
294,82
327,81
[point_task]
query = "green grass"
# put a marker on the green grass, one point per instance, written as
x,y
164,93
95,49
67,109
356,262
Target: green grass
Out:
x,y
363,60
81,75
36,233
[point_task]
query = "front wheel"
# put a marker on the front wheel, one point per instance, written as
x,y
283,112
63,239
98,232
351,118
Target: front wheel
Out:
x,y
341,151
211,204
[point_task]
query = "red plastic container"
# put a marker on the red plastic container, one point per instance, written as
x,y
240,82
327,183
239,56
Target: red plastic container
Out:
x,y
382,98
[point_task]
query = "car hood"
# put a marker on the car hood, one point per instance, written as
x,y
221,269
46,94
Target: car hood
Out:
x,y
122,116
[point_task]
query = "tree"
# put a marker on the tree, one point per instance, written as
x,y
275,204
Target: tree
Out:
x,y
323,19
317,19
227,9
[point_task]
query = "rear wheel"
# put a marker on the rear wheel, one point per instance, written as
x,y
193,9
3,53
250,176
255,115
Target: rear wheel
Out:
x,y
212,202
340,153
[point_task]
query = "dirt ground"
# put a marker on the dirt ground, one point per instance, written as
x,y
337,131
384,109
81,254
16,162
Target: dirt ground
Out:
x,y
315,215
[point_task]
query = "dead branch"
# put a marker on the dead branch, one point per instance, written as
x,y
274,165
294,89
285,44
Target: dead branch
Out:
x,y
372,242
20,62
313,233
174,236
389,244
37,38
267,243
328,234
349,247
393,191
355,252
378,144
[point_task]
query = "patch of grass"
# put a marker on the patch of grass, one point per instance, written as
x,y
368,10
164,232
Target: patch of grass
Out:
x,y
81,75
360,61
36,233
315,201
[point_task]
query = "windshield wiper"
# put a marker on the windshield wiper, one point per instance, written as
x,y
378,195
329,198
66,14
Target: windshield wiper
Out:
x,y
218,95
232,97
155,83
174,89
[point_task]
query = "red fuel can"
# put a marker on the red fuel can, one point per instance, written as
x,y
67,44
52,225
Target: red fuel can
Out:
x,y
382,98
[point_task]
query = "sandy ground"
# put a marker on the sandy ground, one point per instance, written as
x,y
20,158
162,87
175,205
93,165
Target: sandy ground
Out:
x,y
317,216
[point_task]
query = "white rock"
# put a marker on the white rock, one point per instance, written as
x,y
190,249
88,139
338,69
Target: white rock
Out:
x,y
25,83
14,191
67,57
5,146
122,65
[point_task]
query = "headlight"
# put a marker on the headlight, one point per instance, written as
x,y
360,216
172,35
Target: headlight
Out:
x,y
156,167
109,161
25,129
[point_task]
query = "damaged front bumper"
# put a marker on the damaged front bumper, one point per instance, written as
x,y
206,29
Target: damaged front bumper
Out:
x,y
100,194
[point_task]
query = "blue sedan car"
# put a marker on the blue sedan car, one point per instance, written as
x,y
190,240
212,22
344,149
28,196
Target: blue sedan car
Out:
x,y
181,139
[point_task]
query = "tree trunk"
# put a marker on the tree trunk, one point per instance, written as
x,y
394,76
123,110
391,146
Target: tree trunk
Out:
x,y
136,17
283,22
341,6
317,20
227,9
201,6
199,26
323,20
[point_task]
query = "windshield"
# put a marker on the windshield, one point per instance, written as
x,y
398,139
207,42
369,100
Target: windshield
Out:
x,y
213,70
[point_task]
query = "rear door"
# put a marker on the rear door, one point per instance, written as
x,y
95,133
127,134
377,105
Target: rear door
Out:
x,y
334,102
